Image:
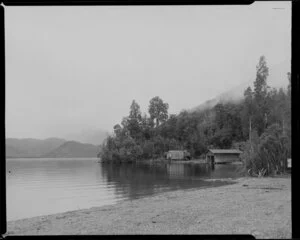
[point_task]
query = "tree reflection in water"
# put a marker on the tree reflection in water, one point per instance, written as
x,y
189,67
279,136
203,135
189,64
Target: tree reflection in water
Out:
x,y
134,180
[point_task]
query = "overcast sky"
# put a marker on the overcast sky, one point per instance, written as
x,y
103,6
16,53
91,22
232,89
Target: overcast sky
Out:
x,y
73,68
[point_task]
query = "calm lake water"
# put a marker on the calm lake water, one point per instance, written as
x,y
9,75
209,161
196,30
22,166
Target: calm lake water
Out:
x,y
45,186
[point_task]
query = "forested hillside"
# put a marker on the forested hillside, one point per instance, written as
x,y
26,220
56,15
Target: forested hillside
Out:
x,y
259,125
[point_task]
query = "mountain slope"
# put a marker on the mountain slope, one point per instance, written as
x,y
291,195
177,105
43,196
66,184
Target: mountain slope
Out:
x,y
73,149
234,95
91,136
30,147
13,152
277,79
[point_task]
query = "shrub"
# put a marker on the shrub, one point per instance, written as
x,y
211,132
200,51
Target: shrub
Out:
x,y
266,155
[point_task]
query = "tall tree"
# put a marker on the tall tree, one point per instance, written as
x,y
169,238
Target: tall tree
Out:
x,y
260,95
260,84
247,112
158,110
135,112
147,127
134,120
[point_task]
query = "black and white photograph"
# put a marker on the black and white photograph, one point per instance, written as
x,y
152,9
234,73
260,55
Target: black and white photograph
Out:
x,y
148,119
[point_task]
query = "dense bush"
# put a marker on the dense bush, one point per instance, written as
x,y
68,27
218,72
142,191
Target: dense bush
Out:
x,y
267,154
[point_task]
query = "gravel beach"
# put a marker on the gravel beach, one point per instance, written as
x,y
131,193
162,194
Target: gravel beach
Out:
x,y
257,206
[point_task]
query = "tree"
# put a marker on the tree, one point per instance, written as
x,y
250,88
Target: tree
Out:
x,y
228,125
148,149
260,84
159,146
158,110
117,130
220,115
168,128
135,112
247,112
131,150
134,120
223,138
260,96
259,125
147,127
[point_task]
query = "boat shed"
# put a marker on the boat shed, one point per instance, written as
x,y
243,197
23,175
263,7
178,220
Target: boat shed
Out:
x,y
223,155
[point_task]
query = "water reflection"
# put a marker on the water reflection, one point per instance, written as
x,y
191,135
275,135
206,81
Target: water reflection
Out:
x,y
45,186
141,179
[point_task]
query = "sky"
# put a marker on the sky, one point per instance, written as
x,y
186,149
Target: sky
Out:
x,y
75,68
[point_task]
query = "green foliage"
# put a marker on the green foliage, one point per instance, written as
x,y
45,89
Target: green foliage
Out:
x,y
260,84
266,154
260,96
260,126
239,145
247,112
158,110
250,155
268,113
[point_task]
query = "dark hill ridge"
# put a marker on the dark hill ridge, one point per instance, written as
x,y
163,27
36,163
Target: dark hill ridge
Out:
x,y
74,149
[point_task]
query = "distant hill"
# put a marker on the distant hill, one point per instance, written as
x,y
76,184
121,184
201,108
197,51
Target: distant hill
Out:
x,y
91,136
48,148
13,152
73,149
30,147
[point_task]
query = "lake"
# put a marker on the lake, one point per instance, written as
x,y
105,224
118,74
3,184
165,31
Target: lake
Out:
x,y
38,187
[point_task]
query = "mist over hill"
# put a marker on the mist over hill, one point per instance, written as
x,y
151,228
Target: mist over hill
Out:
x,y
73,149
233,95
236,94
91,136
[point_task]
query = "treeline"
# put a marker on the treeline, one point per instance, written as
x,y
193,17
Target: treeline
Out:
x,y
260,126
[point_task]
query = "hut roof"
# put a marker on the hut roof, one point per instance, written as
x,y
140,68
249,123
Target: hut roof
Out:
x,y
225,151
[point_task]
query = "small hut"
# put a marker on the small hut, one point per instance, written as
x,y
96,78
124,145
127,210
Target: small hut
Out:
x,y
223,155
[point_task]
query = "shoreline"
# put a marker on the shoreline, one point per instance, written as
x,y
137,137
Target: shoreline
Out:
x,y
257,206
